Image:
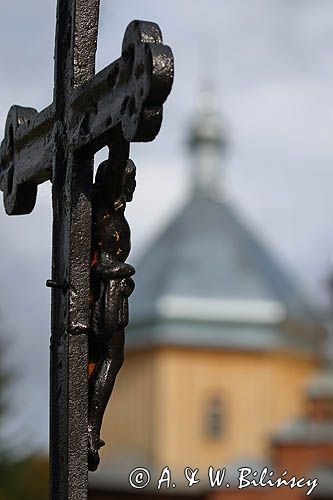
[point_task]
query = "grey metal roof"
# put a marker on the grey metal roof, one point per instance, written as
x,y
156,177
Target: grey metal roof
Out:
x,y
324,475
208,268
197,334
321,385
305,431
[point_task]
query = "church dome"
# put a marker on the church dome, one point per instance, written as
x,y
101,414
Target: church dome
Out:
x,y
207,280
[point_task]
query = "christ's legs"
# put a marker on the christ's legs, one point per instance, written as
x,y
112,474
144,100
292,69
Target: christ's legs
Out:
x,y
100,388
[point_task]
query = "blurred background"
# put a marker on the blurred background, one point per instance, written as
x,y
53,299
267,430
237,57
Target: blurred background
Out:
x,y
232,236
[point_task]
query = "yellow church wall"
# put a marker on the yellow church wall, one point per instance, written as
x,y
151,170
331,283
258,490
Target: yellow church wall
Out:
x,y
259,392
129,416
158,407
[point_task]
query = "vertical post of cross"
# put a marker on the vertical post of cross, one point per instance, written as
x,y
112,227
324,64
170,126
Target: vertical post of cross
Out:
x,y
76,42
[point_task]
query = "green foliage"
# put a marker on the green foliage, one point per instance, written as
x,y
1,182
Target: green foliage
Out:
x,y
4,383
24,480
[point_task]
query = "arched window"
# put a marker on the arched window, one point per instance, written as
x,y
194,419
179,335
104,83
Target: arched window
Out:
x,y
214,421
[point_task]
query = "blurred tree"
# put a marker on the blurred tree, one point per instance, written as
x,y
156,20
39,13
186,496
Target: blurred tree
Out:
x,y
4,460
25,479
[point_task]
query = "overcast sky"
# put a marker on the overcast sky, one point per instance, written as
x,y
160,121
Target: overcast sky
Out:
x,y
271,64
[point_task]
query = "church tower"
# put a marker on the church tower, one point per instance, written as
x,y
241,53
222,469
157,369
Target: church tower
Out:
x,y
207,146
220,342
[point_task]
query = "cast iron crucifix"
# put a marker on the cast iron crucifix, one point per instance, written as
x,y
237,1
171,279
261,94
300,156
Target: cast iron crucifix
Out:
x,y
91,239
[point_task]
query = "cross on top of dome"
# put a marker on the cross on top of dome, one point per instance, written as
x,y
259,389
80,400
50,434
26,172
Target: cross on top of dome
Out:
x,y
207,143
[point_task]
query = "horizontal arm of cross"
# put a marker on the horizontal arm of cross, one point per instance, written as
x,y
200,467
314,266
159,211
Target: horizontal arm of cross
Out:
x,y
129,93
25,156
125,97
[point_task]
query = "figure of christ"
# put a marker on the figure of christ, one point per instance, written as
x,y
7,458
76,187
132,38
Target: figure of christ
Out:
x,y
111,285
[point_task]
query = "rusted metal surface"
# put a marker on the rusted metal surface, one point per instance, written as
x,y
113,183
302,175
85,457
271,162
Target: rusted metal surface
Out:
x,y
90,281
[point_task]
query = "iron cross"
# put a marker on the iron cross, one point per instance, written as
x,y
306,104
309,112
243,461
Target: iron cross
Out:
x,y
90,279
